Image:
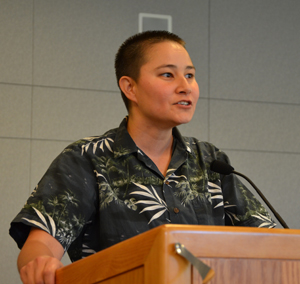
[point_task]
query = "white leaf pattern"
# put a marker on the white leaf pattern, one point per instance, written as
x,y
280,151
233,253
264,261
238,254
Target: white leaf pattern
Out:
x,y
53,226
51,230
142,187
157,215
156,204
40,216
95,147
142,193
216,193
87,250
170,170
99,175
267,221
146,202
217,197
150,208
220,204
103,141
33,222
107,145
157,197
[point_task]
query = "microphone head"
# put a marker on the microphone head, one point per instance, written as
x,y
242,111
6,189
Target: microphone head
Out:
x,y
221,167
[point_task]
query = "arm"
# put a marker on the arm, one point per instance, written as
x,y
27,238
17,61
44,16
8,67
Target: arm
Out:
x,y
39,258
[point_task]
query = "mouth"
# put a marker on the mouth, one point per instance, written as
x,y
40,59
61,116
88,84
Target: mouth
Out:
x,y
184,103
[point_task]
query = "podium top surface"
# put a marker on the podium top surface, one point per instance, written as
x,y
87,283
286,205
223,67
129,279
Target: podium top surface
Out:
x,y
202,241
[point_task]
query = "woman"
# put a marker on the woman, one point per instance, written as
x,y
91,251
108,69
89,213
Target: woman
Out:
x,y
102,190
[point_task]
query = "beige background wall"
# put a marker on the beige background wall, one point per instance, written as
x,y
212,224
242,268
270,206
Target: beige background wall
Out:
x,y
57,85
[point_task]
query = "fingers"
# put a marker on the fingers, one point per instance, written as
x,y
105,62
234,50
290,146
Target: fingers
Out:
x,y
41,270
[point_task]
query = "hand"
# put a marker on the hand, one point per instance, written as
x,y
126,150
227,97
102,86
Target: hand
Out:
x,y
39,258
41,270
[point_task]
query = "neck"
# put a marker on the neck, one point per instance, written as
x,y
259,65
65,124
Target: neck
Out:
x,y
155,143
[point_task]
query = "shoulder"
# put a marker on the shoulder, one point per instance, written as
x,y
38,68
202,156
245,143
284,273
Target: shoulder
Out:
x,y
92,143
193,145
206,150
197,145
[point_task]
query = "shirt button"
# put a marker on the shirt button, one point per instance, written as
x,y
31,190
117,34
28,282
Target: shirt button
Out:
x,y
176,210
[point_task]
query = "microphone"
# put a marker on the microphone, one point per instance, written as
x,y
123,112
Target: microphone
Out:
x,y
226,169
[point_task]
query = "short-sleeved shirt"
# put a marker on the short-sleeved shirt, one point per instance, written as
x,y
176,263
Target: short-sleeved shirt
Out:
x,y
102,190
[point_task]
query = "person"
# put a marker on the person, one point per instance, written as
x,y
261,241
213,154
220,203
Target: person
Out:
x,y
104,189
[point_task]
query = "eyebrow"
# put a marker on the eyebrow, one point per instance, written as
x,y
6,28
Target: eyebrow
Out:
x,y
189,67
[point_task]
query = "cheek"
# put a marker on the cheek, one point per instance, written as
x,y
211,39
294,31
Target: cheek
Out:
x,y
149,88
157,92
196,91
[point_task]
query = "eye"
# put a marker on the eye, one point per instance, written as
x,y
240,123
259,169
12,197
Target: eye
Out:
x,y
189,76
167,75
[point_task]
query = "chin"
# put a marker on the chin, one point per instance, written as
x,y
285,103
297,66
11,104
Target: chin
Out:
x,y
182,121
185,120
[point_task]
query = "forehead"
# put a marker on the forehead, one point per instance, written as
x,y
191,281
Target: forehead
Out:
x,y
166,51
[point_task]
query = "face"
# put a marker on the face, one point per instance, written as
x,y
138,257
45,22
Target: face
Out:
x,y
166,92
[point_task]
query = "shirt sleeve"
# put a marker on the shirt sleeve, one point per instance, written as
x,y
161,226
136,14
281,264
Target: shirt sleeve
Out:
x,y
63,202
240,205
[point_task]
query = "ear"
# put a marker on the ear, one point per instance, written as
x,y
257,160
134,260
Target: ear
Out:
x,y
127,85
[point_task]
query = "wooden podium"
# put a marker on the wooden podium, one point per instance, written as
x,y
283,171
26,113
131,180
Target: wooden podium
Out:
x,y
238,255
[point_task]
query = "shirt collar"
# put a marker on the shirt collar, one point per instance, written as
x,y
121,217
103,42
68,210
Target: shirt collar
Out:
x,y
125,145
182,143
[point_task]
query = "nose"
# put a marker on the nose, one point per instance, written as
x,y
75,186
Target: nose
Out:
x,y
183,86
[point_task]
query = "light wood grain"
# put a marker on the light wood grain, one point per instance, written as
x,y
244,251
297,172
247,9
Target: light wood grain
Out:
x,y
131,276
237,255
252,271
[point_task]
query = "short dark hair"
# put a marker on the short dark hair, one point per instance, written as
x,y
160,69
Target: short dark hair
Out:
x,y
131,54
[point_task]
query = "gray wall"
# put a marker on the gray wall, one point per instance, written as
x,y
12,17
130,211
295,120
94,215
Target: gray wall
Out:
x,y
57,85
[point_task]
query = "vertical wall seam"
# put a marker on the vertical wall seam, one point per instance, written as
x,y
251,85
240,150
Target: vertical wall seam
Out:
x,y
31,111
208,72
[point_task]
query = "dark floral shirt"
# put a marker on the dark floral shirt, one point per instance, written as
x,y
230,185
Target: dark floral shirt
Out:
x,y
102,190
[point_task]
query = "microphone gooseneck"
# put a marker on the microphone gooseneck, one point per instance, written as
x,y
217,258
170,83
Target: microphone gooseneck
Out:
x,y
226,169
